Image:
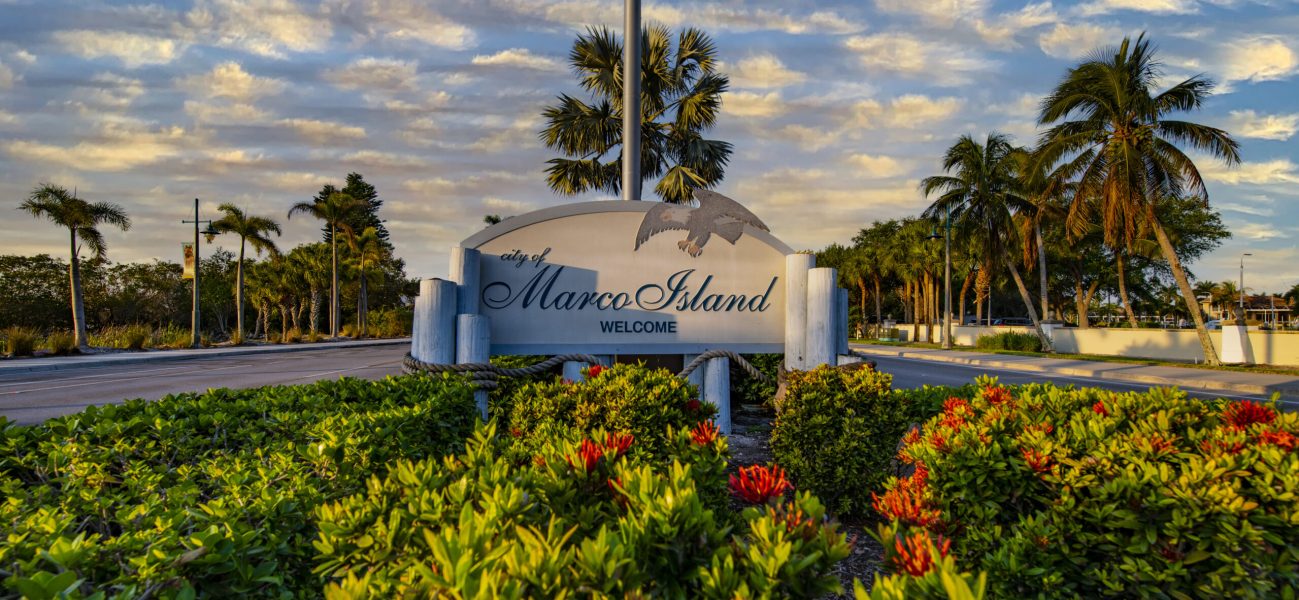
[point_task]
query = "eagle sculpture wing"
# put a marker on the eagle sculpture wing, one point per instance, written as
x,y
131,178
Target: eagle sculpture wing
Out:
x,y
659,219
718,206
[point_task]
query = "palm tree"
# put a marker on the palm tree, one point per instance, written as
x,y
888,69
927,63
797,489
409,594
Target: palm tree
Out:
x,y
1115,139
1043,190
680,98
82,219
311,261
984,192
335,210
366,249
250,229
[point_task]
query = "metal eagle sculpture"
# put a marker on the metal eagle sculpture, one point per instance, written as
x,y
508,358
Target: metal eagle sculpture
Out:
x,y
716,214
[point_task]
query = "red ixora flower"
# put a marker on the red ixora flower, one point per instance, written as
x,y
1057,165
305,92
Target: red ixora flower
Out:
x,y
956,405
906,501
618,442
693,406
1244,413
758,484
1281,439
704,434
1040,463
588,455
1099,408
594,371
997,396
915,553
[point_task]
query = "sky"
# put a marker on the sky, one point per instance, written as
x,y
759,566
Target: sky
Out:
x,y
836,109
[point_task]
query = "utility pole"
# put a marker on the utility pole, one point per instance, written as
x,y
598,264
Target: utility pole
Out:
x,y
196,338
1242,287
947,282
631,100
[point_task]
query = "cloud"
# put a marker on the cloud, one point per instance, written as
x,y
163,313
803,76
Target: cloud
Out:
x,y
369,74
390,160
520,58
402,20
1001,31
750,104
112,91
521,133
939,62
1073,41
1247,123
7,77
134,50
708,16
943,13
1162,7
1260,58
263,27
115,147
230,80
1255,231
807,138
763,71
910,111
877,166
224,113
1248,209
322,131
1279,170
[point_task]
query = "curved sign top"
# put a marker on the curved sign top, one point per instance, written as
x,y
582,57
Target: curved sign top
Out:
x,y
615,277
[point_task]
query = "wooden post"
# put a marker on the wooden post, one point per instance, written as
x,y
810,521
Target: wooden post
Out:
x,y
841,321
437,312
796,268
474,345
821,300
717,390
465,272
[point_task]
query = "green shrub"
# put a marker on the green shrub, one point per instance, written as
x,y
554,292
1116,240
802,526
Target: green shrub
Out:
x,y
348,330
293,336
61,343
125,337
577,518
392,322
749,390
1009,340
171,337
1089,493
623,398
20,341
837,433
212,492
500,403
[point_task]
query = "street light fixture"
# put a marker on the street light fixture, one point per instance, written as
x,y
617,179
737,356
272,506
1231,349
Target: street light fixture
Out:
x,y
196,339
1242,287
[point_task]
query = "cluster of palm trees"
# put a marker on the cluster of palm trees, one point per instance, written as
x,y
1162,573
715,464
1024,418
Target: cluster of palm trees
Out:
x,y
277,283
1111,161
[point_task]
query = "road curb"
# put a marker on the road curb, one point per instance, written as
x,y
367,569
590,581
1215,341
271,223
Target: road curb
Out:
x,y
1110,374
132,358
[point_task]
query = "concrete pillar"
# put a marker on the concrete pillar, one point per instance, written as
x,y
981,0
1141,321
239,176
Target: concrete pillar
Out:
x,y
416,326
474,345
820,344
841,321
796,268
1235,345
437,317
573,371
465,272
717,390
696,377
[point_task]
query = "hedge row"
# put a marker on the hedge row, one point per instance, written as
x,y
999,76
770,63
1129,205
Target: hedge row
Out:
x,y
1087,493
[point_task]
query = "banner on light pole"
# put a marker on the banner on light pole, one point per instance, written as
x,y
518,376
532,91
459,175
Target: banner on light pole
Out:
x,y
188,249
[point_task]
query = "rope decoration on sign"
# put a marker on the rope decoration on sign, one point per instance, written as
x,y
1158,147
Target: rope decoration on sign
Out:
x,y
485,375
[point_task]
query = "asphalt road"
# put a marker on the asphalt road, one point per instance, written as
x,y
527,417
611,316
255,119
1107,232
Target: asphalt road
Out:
x,y
32,397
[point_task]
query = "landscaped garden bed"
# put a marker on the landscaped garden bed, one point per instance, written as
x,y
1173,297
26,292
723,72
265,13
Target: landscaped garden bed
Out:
x,y
620,486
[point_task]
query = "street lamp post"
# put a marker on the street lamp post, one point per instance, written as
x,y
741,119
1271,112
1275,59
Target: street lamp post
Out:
x,y
947,279
1242,287
196,339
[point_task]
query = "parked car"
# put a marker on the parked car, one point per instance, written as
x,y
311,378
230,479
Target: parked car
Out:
x,y
1018,321
1214,324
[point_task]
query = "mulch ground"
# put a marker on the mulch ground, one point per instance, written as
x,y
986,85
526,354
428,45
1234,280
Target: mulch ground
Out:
x,y
750,443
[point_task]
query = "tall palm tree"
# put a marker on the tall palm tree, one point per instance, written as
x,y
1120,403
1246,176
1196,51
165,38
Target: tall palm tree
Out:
x,y
366,250
1043,190
680,98
311,261
1112,132
335,210
82,219
250,229
982,190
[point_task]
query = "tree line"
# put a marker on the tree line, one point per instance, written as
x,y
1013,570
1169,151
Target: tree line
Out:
x,y
353,266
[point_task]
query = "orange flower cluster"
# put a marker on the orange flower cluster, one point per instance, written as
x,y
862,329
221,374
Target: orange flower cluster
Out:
x,y
906,501
952,421
1099,408
915,554
619,442
1045,428
704,434
1281,439
588,455
1214,447
795,521
1162,445
615,488
1244,413
1040,463
997,396
758,484
956,405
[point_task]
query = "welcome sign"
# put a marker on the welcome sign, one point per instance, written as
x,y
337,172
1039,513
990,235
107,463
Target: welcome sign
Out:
x,y
632,278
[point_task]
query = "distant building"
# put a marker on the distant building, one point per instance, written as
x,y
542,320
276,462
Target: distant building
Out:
x,y
1272,310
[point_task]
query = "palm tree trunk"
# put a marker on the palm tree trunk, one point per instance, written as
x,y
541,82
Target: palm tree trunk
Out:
x,y
915,310
239,293
965,287
284,324
360,304
333,284
1188,295
1028,303
315,311
78,304
1041,269
879,307
1123,291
